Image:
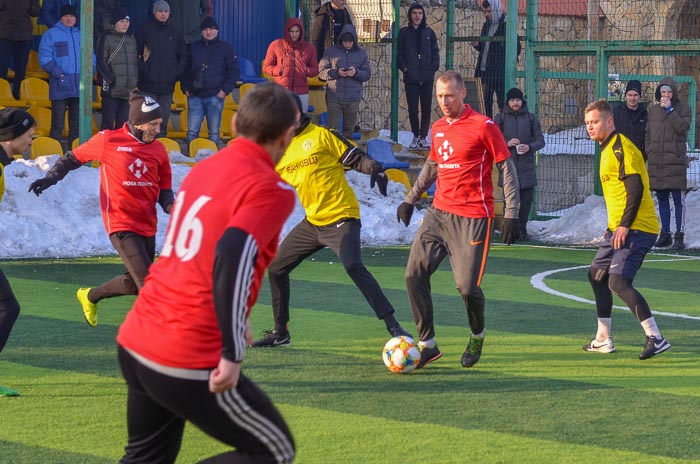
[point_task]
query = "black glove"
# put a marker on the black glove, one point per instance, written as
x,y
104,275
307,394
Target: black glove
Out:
x,y
378,177
39,185
404,213
510,230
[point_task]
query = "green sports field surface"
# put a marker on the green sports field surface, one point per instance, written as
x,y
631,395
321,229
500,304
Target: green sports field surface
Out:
x,y
535,396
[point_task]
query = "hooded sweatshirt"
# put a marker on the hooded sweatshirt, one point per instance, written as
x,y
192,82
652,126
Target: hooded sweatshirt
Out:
x,y
347,89
419,55
291,63
666,136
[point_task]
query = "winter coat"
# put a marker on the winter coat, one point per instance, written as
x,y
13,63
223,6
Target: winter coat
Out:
x,y
222,68
122,72
51,11
632,124
419,55
665,141
347,89
162,56
291,63
496,58
187,15
16,19
524,126
322,34
59,56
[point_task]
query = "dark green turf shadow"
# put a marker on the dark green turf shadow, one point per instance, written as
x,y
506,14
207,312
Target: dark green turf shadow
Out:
x,y
20,453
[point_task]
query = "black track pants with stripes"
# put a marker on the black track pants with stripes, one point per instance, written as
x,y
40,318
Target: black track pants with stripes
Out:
x,y
160,401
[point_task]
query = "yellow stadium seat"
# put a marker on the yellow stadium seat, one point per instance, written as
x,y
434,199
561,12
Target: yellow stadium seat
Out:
x,y
315,82
401,177
74,145
226,124
263,73
97,99
230,103
179,99
6,98
170,145
34,69
42,146
201,144
42,116
35,92
242,91
174,133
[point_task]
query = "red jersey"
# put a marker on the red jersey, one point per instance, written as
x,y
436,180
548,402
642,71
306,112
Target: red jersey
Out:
x,y
132,174
174,319
465,150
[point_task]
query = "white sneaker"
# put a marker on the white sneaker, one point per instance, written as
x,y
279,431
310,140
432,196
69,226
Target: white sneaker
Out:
x,y
414,143
606,346
424,143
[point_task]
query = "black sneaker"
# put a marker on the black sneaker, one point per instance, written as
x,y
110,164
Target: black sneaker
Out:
x,y
473,352
398,331
664,240
272,338
428,355
654,346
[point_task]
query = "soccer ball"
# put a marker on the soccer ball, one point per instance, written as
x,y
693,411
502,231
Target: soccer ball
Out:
x,y
401,355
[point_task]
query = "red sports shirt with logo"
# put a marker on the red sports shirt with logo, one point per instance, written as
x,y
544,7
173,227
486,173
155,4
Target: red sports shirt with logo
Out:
x,y
132,174
236,188
465,150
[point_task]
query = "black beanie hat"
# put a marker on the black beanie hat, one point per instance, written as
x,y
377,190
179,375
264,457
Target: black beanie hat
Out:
x,y
143,108
209,23
14,122
634,85
515,93
118,14
69,10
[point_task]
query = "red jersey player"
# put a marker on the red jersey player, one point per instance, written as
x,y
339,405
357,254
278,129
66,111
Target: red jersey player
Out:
x,y
182,344
134,175
465,144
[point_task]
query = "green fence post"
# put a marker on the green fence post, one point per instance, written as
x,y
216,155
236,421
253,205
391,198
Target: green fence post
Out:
x,y
395,71
86,87
511,43
450,33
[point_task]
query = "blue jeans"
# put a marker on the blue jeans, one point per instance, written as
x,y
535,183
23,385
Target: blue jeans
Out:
x,y
665,208
197,109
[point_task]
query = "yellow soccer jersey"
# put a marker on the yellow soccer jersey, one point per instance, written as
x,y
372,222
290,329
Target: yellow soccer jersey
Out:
x,y
312,166
619,158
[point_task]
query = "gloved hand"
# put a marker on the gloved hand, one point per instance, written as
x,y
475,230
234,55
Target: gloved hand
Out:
x,y
378,177
404,213
510,230
39,185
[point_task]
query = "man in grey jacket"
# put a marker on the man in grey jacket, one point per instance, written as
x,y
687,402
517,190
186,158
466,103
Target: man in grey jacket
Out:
x,y
345,67
665,141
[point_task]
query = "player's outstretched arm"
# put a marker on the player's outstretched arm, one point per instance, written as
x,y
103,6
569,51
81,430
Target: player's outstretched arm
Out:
x,y
59,170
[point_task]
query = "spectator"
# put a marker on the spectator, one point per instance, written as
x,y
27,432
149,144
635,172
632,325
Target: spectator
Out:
x,y
332,220
632,228
291,60
162,59
117,62
213,72
16,131
523,135
16,39
345,67
491,63
465,147
51,11
134,175
182,345
140,12
631,118
418,59
187,15
329,21
102,10
59,55
665,138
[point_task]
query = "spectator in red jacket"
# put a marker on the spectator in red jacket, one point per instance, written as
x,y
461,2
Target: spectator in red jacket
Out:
x,y
291,60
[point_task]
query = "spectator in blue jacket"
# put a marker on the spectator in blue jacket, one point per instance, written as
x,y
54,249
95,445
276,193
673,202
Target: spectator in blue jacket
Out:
x,y
345,67
59,56
51,11
212,74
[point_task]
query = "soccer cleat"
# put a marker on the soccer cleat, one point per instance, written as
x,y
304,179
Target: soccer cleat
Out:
x,y
272,338
397,331
4,391
594,345
428,355
414,143
89,308
424,143
473,352
654,346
